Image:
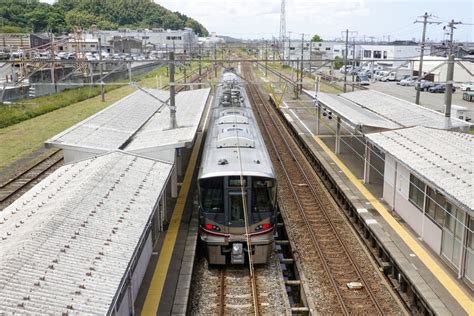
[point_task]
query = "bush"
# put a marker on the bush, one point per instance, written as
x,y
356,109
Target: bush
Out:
x,y
338,62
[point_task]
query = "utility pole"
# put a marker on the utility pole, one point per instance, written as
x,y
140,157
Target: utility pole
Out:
x,y
215,60
422,51
200,67
266,59
289,48
53,76
353,60
345,60
184,76
345,56
102,95
301,64
448,95
173,123
310,55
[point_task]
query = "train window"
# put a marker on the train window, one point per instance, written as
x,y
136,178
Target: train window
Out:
x,y
236,182
263,195
212,195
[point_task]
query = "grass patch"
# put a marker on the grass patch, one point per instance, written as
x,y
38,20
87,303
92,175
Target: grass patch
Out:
x,y
23,138
29,108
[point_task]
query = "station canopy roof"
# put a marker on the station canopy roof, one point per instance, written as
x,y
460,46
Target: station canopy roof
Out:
x,y
444,159
401,112
156,132
66,244
129,122
352,113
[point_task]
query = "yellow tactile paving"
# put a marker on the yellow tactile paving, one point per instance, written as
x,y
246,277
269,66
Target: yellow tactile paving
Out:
x,y
152,300
458,294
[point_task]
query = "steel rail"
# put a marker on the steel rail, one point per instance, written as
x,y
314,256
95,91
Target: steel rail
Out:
x,y
256,93
222,292
28,181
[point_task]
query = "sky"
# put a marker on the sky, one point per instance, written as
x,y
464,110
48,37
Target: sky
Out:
x,y
328,18
378,18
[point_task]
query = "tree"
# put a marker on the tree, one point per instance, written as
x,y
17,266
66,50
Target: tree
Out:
x,y
65,15
316,38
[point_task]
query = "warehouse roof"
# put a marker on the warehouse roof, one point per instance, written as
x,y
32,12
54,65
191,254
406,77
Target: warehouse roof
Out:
x,y
444,159
353,113
66,245
120,123
401,112
156,132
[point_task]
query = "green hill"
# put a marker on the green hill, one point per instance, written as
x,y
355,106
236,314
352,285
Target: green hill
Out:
x,y
65,15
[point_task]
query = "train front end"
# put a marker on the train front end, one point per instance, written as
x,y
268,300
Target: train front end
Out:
x,y
226,231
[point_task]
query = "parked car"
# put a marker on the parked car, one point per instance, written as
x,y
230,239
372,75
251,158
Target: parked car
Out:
x,y
467,86
440,88
410,81
424,85
380,74
346,68
363,80
403,78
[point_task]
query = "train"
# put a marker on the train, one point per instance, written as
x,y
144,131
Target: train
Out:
x,y
235,174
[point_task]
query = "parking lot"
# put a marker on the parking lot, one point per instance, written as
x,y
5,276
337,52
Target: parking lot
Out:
x,y
434,101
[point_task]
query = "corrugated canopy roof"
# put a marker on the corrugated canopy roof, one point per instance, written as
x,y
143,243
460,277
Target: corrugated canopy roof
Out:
x,y
353,113
445,159
70,239
156,133
399,111
135,116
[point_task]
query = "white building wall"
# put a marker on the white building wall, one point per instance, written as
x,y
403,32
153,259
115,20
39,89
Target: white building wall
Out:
x,y
380,53
460,74
71,155
141,266
422,225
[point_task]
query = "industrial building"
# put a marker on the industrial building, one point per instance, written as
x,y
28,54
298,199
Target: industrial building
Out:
x,y
435,69
389,55
79,241
182,42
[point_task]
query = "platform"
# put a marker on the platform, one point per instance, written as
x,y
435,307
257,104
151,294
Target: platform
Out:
x,y
434,282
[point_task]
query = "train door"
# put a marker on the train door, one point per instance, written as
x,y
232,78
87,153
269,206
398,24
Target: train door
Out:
x,y
235,214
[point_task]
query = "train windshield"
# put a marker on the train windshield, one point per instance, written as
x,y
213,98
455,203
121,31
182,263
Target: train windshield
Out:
x,y
263,195
212,195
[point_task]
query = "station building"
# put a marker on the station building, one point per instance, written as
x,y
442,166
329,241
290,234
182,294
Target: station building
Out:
x,y
428,180
79,242
414,159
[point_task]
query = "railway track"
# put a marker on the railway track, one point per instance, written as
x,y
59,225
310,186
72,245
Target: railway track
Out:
x,y
344,287
236,292
323,76
15,187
